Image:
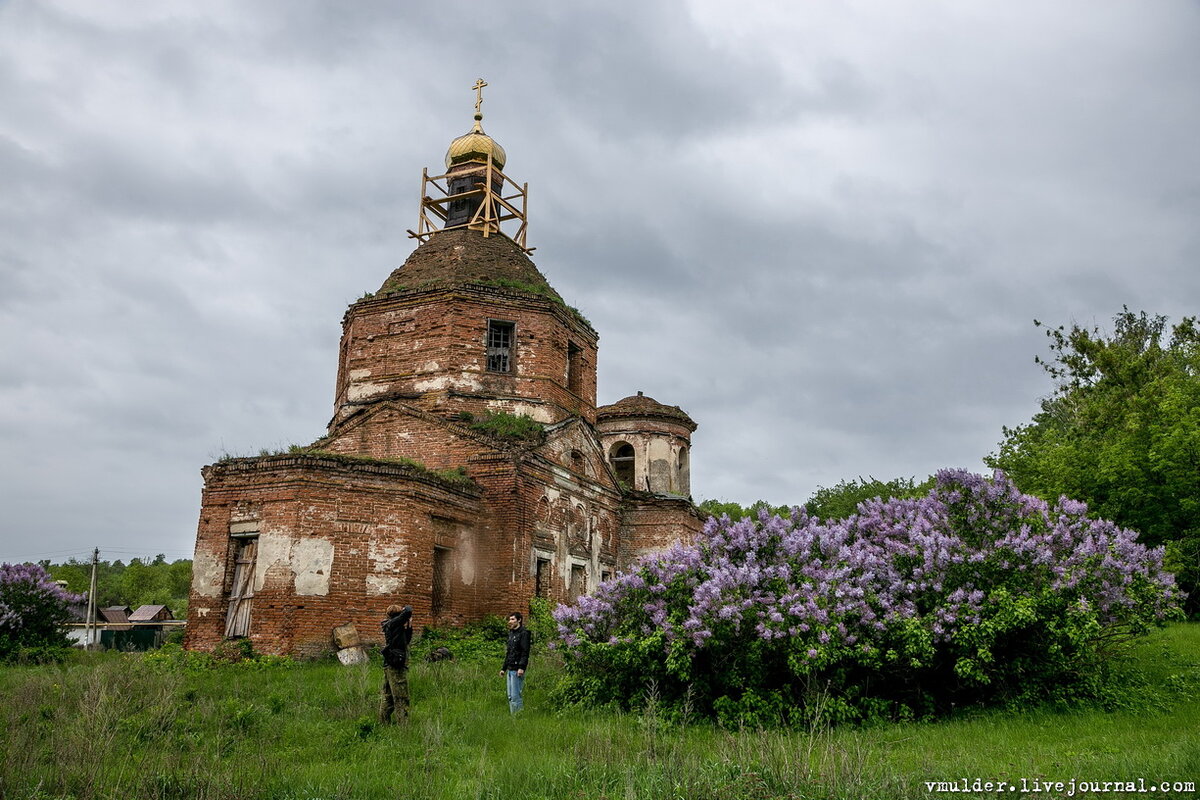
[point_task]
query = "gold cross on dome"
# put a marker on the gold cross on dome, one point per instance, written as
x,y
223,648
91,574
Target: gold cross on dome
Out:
x,y
478,87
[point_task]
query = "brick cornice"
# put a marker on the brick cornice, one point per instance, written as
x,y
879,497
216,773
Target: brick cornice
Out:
x,y
450,291
341,464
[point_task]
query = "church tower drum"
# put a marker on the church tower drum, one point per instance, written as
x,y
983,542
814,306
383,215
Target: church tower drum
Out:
x,y
468,324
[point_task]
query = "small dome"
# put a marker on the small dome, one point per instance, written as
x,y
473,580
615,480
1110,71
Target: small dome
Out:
x,y
639,405
475,146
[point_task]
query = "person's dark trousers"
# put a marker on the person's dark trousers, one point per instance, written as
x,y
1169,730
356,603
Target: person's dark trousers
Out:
x,y
394,696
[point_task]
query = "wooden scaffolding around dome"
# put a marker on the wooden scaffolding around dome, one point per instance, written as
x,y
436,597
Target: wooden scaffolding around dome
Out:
x,y
500,200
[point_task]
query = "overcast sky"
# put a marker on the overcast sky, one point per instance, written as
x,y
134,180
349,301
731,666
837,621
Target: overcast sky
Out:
x,y
822,229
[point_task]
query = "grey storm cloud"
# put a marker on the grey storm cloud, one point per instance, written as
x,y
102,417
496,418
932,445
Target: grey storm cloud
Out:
x,y
824,231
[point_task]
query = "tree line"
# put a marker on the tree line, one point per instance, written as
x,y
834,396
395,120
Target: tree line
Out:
x,y
140,582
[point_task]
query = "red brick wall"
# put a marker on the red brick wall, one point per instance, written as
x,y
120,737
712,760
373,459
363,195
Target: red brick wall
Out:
x,y
432,344
379,523
652,524
401,430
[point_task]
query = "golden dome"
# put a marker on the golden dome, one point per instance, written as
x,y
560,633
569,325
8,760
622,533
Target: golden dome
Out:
x,y
475,146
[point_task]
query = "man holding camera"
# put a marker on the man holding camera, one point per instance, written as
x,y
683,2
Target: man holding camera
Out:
x,y
397,633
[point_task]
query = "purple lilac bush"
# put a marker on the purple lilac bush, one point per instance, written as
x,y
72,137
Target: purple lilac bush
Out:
x,y
972,594
33,609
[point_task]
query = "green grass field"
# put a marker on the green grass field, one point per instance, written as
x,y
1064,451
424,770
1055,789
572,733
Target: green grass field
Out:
x,y
124,726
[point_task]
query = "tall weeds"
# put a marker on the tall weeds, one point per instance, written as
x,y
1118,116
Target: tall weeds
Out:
x,y
131,727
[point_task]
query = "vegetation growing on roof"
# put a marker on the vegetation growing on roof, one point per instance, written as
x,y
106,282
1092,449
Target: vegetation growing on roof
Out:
x,y
539,289
505,426
580,315
457,475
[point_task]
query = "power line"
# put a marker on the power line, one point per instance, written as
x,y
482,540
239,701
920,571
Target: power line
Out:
x,y
86,554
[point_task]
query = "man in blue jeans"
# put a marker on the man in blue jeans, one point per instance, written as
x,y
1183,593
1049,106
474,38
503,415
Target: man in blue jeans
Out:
x,y
516,659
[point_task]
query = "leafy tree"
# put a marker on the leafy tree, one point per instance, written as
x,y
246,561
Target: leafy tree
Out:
x,y
33,610
143,583
179,583
842,500
735,511
1121,432
836,502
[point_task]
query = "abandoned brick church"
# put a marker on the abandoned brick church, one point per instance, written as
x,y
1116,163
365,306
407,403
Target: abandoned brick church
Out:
x,y
466,468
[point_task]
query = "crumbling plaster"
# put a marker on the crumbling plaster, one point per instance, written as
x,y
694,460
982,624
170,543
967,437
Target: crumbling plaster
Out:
x,y
308,560
208,573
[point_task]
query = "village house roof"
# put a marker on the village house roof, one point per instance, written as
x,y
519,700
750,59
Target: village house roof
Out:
x,y
115,615
151,614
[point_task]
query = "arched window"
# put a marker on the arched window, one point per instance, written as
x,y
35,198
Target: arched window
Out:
x,y
682,477
577,526
623,460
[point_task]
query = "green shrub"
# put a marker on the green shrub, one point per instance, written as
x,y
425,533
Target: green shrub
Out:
x,y
973,595
478,642
33,611
509,427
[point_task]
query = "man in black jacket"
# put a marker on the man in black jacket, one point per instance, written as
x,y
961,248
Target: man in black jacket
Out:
x,y
397,633
516,659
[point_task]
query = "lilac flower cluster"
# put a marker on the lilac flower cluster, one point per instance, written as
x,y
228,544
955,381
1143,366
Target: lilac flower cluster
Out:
x,y
903,582
32,606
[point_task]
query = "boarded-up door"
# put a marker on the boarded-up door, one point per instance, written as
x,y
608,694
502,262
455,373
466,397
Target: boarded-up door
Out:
x,y
241,595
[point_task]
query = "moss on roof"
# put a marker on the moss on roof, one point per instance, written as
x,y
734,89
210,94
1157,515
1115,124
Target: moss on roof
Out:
x,y
463,257
457,476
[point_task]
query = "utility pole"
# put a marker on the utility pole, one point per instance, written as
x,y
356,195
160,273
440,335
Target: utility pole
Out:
x,y
91,613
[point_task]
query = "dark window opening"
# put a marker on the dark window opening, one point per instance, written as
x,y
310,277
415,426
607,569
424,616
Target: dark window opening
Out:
x,y
499,346
623,460
605,575
578,581
541,578
574,368
441,580
459,212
